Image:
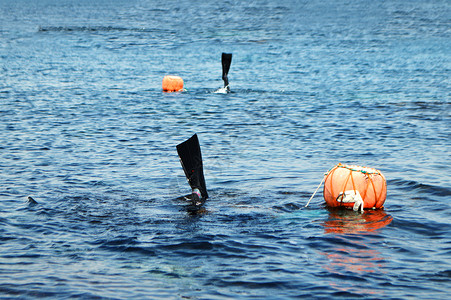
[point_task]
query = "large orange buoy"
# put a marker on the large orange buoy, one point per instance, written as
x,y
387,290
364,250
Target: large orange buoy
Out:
x,y
355,186
172,83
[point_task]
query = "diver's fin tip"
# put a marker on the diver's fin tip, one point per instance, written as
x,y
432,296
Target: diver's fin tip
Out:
x,y
31,201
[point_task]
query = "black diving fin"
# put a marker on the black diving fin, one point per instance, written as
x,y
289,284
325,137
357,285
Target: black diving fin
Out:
x,y
226,60
191,160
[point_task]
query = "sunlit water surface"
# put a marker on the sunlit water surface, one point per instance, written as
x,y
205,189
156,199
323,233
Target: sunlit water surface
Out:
x,y
88,133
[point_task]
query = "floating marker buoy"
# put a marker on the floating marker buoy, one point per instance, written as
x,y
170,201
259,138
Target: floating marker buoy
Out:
x,y
172,83
355,186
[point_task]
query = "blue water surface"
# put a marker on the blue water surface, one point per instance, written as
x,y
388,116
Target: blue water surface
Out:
x,y
86,130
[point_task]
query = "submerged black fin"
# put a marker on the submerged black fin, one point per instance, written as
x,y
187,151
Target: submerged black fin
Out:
x,y
191,160
31,201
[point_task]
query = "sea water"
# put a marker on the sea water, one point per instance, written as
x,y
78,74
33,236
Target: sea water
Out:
x,y
88,133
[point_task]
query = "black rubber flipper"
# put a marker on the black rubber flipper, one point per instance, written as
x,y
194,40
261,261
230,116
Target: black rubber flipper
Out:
x,y
226,61
31,201
191,160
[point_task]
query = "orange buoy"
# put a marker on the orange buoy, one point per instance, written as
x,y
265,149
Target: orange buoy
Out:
x,y
172,83
355,186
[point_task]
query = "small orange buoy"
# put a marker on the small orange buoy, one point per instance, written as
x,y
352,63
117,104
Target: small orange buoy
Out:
x,y
172,83
355,186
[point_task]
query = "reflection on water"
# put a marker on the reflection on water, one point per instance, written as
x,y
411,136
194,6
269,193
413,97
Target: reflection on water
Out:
x,y
349,260
348,221
349,265
354,260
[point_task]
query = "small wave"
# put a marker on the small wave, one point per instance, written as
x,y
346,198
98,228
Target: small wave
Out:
x,y
27,289
195,248
288,207
424,227
80,28
124,244
250,284
188,246
442,276
97,29
170,274
421,187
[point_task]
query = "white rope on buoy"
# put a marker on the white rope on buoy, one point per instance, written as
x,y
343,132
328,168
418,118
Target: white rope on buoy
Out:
x,y
316,189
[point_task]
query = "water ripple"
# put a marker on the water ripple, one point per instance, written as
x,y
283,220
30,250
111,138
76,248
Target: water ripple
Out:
x,y
88,133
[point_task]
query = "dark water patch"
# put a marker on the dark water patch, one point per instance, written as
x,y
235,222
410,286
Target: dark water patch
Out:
x,y
126,250
319,242
7,238
117,241
90,135
442,276
418,187
31,290
431,229
100,29
289,207
167,274
345,276
206,249
258,283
